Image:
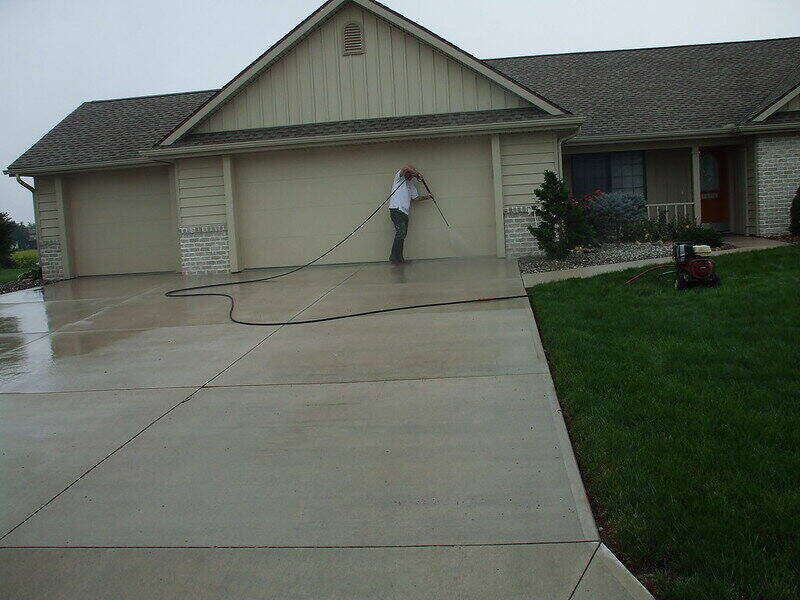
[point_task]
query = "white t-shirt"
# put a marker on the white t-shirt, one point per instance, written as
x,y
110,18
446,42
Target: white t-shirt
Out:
x,y
407,191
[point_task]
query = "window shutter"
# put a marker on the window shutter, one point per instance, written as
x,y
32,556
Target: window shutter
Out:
x,y
353,39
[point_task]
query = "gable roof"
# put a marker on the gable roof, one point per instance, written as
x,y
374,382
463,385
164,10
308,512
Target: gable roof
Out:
x,y
785,94
655,91
109,131
708,86
321,14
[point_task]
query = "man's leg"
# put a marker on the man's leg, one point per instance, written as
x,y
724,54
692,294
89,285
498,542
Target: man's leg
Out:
x,y
400,222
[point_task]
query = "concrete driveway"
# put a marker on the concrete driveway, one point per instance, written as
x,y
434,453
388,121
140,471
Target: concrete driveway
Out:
x,y
151,449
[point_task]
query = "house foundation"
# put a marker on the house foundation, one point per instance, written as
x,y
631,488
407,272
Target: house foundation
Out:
x,y
204,249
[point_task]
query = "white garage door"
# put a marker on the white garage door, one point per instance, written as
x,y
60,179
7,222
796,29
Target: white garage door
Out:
x,y
121,222
294,204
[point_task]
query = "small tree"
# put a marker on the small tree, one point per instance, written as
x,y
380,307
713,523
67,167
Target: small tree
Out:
x,y
7,228
562,223
794,214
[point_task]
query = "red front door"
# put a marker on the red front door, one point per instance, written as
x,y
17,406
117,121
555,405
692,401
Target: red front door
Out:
x,y
714,193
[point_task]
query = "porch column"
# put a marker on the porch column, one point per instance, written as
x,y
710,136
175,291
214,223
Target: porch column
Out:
x,y
696,182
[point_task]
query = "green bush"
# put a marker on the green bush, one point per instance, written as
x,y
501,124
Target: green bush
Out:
x,y
610,213
660,230
7,228
31,273
689,232
794,214
562,223
25,259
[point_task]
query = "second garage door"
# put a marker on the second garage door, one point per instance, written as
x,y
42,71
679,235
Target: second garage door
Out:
x,y
293,205
121,222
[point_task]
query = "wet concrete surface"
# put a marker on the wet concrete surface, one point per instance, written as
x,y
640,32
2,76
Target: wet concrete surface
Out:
x,y
412,454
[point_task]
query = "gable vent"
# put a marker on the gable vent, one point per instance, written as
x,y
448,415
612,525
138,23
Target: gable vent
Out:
x,y
353,39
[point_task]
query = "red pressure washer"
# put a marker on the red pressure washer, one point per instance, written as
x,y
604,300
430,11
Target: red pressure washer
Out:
x,y
692,267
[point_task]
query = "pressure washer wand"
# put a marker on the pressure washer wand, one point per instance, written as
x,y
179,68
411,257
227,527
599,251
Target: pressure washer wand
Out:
x,y
430,193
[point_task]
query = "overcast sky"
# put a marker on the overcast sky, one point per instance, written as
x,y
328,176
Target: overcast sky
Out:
x,y
57,54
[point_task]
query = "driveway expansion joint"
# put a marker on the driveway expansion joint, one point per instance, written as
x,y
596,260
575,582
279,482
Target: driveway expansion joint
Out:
x,y
319,547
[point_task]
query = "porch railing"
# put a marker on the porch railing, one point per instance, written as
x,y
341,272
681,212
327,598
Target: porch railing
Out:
x,y
671,211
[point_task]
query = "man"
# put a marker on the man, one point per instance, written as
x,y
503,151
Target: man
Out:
x,y
405,190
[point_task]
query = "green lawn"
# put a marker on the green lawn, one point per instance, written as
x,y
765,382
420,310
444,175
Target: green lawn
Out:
x,y
684,411
7,275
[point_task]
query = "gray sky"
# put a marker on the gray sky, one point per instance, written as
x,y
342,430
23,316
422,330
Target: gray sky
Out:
x,y
57,53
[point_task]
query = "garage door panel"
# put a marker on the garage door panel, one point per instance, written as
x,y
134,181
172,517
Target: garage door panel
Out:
x,y
294,205
122,236
312,191
122,222
116,261
338,220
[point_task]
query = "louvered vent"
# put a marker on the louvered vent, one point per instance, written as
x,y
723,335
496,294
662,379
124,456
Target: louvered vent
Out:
x,y
353,39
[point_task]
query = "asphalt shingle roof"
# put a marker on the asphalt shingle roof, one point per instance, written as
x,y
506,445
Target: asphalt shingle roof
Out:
x,y
621,92
507,115
110,130
657,90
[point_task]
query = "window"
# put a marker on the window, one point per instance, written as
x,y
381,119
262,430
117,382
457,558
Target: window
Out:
x,y
352,39
610,172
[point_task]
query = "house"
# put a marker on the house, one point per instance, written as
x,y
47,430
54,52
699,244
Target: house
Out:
x,y
293,152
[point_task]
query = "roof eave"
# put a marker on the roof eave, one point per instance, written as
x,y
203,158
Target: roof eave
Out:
x,y
646,137
775,106
92,166
550,123
729,130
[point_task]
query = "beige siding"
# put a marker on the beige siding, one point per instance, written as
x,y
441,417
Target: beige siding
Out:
x,y
294,204
121,221
47,210
524,157
201,192
397,75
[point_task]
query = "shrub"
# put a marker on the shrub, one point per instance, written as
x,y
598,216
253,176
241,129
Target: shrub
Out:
x,y
7,228
794,214
562,223
610,213
660,230
689,232
25,259
31,273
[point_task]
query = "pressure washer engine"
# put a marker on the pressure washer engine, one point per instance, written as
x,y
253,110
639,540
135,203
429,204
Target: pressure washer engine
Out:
x,y
693,266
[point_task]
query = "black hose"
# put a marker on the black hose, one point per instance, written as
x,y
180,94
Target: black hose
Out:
x,y
178,293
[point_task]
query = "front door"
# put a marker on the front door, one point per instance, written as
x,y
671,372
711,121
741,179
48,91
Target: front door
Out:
x,y
714,190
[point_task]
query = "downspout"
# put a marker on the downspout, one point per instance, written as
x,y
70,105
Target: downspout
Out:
x,y
25,184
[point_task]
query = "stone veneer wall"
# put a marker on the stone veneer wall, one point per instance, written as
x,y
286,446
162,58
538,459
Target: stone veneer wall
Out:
x,y
51,259
516,219
204,249
776,162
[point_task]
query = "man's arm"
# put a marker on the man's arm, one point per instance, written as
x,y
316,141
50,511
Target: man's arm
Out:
x,y
417,196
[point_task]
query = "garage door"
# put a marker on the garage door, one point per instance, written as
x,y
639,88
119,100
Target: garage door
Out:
x,y
293,205
121,222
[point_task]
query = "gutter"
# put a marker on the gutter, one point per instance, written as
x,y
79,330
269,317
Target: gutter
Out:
x,y
110,164
776,127
557,122
728,130
670,135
